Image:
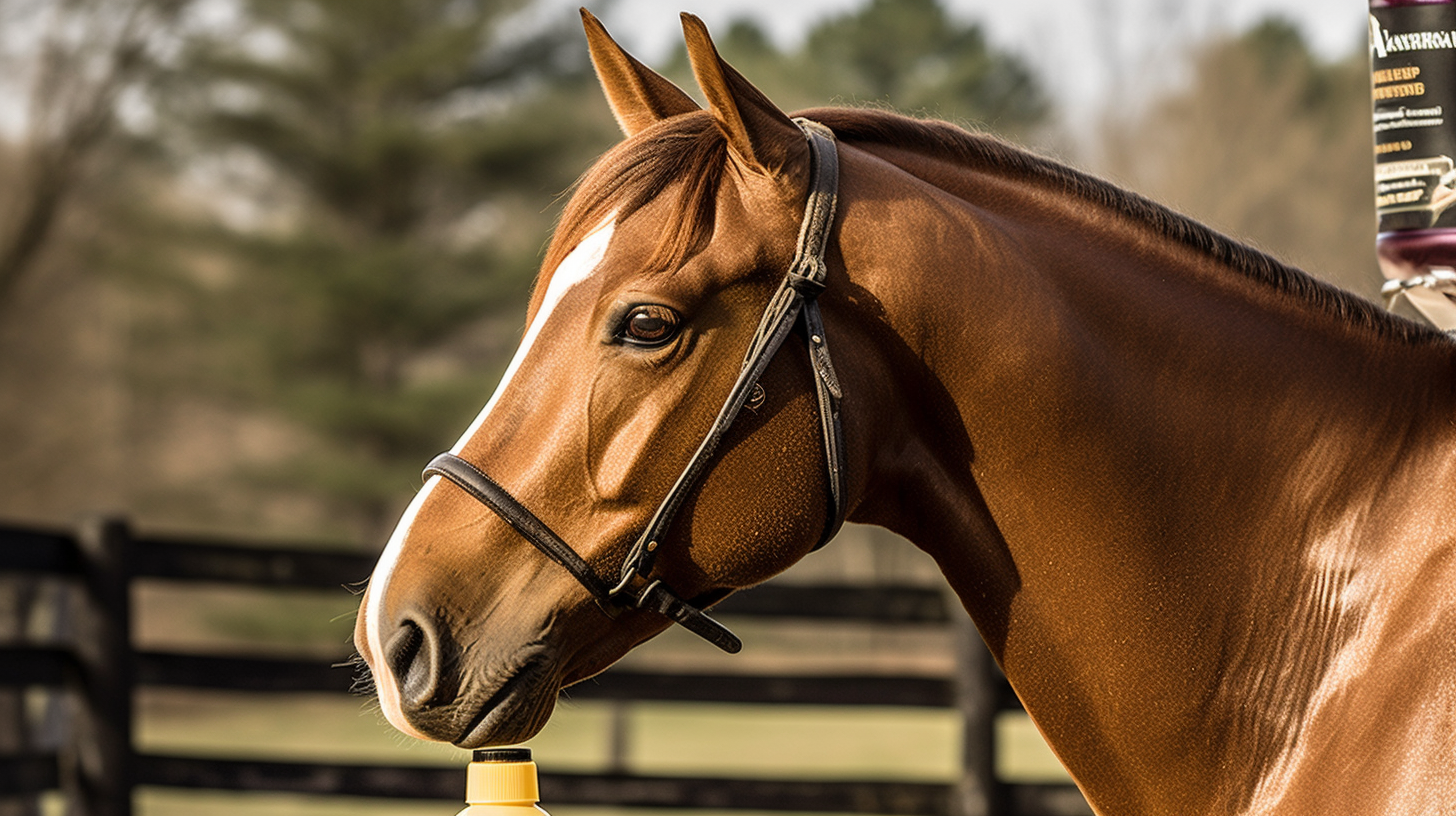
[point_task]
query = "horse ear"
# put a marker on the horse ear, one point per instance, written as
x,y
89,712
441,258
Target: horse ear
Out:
x,y
638,95
760,134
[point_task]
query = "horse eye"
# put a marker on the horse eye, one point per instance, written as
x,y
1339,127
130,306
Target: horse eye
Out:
x,y
649,325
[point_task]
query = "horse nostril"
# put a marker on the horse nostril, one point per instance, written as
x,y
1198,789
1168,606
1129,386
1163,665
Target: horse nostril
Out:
x,y
411,656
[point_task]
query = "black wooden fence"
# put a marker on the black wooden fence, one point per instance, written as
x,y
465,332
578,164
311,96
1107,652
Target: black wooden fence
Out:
x,y
97,767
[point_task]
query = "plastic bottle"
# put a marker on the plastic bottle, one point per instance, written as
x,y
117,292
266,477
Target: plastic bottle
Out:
x,y
502,782
1413,84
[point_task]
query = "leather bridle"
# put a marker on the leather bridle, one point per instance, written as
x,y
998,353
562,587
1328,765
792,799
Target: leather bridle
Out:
x,y
796,298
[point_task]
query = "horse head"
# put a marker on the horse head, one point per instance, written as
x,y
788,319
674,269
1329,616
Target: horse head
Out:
x,y
647,334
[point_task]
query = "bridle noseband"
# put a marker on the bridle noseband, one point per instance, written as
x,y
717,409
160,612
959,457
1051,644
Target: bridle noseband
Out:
x,y
796,297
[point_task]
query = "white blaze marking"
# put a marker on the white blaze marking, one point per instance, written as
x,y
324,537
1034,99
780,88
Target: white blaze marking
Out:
x,y
384,682
574,268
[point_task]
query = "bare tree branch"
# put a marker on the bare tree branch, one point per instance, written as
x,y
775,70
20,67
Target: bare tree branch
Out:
x,y
89,53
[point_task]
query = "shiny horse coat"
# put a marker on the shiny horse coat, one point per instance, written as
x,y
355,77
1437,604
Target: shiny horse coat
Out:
x,y
1198,504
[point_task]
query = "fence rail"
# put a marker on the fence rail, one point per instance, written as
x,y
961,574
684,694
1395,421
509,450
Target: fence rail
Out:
x,y
98,768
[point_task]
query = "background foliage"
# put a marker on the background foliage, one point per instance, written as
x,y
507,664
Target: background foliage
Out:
x,y
266,256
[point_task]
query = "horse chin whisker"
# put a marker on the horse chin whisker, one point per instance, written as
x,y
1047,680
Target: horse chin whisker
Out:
x,y
363,684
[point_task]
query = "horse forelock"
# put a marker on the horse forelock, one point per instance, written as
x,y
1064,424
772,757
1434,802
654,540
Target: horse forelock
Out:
x,y
686,155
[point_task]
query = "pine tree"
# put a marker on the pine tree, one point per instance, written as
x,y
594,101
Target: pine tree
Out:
x,y
409,149
909,55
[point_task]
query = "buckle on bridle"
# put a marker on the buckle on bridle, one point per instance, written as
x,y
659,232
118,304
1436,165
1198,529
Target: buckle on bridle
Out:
x,y
638,592
808,287
657,597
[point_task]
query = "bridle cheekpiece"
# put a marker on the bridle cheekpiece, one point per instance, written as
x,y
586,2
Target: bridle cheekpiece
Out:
x,y
796,298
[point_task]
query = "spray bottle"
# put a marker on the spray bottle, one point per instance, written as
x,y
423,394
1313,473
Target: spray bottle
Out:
x,y
1413,85
502,782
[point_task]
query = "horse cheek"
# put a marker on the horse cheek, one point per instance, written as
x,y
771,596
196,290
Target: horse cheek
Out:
x,y
756,496
620,435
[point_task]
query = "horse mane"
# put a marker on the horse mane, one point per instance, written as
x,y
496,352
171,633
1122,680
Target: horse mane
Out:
x,y
691,150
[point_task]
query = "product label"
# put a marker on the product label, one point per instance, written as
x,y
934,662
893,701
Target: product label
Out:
x,y
1413,86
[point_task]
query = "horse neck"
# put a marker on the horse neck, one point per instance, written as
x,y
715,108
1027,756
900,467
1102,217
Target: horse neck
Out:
x,y
1145,473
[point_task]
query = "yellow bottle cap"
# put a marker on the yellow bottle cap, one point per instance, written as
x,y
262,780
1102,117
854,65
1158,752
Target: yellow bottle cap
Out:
x,y
501,776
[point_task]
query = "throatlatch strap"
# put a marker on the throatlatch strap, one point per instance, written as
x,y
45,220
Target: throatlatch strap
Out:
x,y
829,394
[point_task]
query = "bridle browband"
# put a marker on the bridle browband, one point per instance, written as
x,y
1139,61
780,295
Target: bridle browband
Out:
x,y
796,297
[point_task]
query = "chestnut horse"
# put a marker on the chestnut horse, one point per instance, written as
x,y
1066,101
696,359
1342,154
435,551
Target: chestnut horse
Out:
x,y
1197,503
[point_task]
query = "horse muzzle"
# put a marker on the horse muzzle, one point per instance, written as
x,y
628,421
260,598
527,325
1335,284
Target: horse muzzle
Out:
x,y
471,695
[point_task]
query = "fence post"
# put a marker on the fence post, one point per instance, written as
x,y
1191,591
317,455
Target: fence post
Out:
x,y
98,764
618,736
978,793
17,602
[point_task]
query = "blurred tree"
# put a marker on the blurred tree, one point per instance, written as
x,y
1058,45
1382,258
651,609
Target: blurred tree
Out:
x,y
906,54
1268,143
407,150
912,55
386,164
68,65
83,55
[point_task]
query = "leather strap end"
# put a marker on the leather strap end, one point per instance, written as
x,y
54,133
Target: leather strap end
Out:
x,y
656,597
819,353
